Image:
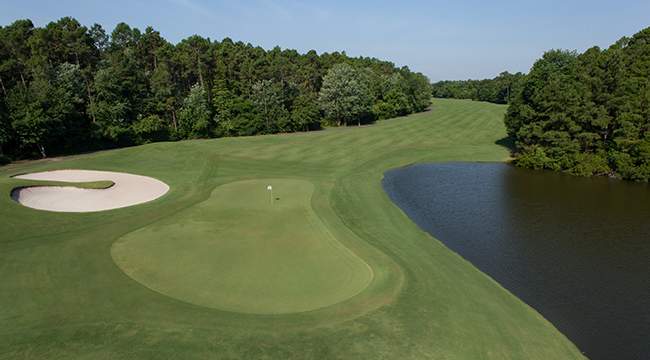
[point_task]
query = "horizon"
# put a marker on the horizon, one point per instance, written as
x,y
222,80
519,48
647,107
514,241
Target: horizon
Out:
x,y
467,39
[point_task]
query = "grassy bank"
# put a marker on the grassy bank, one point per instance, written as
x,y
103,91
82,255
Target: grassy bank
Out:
x,y
62,294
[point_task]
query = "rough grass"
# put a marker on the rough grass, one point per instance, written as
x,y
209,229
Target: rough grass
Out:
x,y
63,296
21,164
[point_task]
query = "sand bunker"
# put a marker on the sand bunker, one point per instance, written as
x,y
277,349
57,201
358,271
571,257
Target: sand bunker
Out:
x,y
128,190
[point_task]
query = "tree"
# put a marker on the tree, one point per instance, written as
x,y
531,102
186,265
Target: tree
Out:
x,y
15,39
305,113
122,94
266,96
123,37
195,117
345,95
6,131
39,114
164,85
222,102
192,57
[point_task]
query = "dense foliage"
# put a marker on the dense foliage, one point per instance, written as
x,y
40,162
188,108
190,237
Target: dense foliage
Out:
x,y
498,90
68,88
587,114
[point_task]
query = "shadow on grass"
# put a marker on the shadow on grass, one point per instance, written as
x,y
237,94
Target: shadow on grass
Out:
x,y
508,143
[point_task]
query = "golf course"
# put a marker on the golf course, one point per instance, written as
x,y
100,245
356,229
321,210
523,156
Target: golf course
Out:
x,y
265,247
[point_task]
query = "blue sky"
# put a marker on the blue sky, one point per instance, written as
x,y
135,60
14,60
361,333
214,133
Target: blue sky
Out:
x,y
445,40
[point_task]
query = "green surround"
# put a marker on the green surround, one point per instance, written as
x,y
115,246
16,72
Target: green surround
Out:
x,y
236,251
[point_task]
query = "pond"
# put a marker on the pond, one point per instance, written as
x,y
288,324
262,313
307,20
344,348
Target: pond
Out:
x,y
575,249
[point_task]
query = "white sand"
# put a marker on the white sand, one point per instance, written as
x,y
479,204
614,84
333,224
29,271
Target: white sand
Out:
x,y
128,190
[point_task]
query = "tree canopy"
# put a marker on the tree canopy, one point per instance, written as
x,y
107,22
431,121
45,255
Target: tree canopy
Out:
x,y
345,94
587,114
67,88
499,90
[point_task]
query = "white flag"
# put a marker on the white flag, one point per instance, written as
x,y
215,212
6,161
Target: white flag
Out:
x,y
269,187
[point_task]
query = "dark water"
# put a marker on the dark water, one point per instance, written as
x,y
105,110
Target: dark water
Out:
x,y
575,249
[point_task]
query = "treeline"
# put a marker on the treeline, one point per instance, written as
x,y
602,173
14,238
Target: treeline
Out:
x,y
68,88
498,90
587,114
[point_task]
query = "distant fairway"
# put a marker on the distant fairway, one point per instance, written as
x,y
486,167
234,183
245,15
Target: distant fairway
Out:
x,y
212,270
238,252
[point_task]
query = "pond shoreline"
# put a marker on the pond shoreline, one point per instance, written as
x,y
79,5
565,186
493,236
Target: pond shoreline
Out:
x,y
501,218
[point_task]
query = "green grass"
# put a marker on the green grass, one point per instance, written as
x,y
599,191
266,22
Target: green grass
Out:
x,y
23,163
102,184
62,295
239,252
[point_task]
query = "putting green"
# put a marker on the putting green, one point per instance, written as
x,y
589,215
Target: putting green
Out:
x,y
238,252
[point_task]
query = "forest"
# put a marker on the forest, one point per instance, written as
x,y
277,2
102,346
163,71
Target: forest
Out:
x,y
67,88
586,114
499,90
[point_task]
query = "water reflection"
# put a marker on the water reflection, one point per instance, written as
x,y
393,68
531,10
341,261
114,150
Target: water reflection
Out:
x,y
575,249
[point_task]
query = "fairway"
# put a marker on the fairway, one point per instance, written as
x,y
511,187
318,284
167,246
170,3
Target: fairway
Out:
x,y
213,270
239,252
